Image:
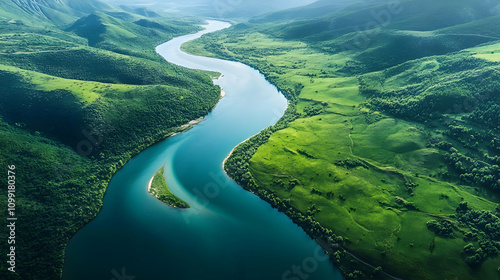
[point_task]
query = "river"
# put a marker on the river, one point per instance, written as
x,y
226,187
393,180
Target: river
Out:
x,y
228,233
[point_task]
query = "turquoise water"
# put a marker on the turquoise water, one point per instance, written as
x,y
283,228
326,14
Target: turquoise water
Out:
x,y
228,233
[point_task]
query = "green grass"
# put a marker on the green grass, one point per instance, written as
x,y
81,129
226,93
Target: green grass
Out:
x,y
359,202
379,230
136,36
160,190
490,52
58,93
87,92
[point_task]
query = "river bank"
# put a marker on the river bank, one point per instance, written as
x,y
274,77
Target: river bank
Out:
x,y
227,232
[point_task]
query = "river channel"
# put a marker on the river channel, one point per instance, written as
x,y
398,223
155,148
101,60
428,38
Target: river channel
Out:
x,y
228,233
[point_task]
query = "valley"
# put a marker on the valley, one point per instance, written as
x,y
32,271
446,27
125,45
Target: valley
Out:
x,y
379,155
83,91
387,156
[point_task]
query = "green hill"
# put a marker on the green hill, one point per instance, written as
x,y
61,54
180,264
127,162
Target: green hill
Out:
x,y
390,146
56,12
141,11
82,92
135,36
341,17
382,35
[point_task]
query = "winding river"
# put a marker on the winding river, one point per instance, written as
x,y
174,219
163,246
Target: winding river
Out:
x,y
228,233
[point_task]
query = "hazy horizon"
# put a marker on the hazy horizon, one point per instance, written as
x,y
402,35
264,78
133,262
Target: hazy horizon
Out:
x,y
216,8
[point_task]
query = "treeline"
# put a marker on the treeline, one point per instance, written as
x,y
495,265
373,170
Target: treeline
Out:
x,y
57,193
424,102
112,122
487,115
472,170
441,228
33,42
485,230
145,114
57,113
100,66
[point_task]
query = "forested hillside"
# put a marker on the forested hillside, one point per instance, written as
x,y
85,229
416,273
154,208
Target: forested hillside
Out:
x,y
390,146
82,91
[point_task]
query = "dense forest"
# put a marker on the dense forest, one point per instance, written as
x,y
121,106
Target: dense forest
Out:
x,y
390,146
83,91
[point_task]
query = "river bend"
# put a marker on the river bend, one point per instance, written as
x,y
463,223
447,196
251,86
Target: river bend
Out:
x,y
228,233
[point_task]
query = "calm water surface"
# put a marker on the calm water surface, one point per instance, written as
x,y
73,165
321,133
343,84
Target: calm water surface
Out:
x,y
228,233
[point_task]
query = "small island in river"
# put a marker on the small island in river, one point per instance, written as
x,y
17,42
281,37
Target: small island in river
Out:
x,y
158,187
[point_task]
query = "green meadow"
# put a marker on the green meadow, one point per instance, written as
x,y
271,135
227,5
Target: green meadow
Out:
x,y
390,148
370,156
489,52
86,92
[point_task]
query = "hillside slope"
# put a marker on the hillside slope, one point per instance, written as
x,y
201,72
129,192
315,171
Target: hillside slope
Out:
x,y
73,111
53,12
390,147
382,35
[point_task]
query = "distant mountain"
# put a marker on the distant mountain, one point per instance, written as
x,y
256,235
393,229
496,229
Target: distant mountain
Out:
x,y
58,12
143,11
218,8
334,18
384,35
314,10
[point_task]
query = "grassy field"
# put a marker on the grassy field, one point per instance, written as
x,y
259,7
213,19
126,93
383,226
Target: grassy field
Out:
x,y
489,52
160,190
371,178
86,92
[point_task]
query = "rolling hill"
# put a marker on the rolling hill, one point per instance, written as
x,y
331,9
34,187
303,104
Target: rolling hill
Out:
x,y
83,91
56,12
382,35
389,149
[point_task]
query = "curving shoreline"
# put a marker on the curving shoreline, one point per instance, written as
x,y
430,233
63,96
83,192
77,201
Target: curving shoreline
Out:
x,y
133,222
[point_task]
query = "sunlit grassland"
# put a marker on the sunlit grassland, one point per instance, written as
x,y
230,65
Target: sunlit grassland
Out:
x,y
488,52
363,207
362,203
85,91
